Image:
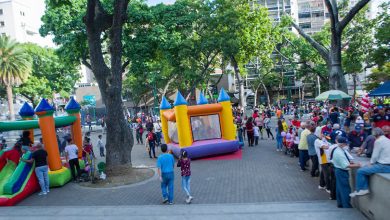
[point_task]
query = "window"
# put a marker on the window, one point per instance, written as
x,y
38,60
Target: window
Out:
x,y
2,24
21,13
1,11
205,127
304,15
305,25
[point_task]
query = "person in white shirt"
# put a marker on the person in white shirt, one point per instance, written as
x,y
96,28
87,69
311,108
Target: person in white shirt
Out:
x,y
256,132
321,146
100,145
380,163
71,155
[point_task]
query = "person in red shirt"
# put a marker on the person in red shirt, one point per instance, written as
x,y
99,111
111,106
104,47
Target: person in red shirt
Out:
x,y
327,128
87,148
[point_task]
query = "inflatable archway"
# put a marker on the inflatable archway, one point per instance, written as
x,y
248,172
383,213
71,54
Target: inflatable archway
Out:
x,y
18,179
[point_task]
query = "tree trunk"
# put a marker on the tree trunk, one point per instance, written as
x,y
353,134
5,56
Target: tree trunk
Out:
x,y
336,76
119,137
266,94
354,86
10,103
255,97
240,82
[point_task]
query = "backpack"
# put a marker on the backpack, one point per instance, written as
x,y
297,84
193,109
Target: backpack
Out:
x,y
150,136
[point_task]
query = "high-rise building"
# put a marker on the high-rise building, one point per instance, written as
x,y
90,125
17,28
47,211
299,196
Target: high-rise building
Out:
x,y
312,15
21,20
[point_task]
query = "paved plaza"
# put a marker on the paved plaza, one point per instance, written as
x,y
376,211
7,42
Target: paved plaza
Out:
x,y
263,175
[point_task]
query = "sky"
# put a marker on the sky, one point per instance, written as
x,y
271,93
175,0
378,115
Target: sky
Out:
x,y
155,2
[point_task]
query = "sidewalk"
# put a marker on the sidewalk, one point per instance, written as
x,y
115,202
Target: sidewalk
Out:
x,y
320,210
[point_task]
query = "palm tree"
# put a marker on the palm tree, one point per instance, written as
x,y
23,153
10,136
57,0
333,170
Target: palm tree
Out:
x,y
15,67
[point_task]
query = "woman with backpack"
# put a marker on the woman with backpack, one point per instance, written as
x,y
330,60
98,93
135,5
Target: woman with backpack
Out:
x,y
151,140
138,133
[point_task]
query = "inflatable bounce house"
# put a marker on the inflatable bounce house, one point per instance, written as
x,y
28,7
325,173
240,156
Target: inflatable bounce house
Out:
x,y
202,130
18,179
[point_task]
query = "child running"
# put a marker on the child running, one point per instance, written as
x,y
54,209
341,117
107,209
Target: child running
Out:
x,y
185,164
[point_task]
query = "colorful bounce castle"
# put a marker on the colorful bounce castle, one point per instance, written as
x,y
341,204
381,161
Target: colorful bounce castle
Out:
x,y
18,179
202,130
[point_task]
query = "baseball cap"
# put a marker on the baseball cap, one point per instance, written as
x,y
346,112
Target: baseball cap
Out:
x,y
341,140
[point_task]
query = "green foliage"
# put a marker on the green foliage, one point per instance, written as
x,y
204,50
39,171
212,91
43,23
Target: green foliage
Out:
x,y
381,52
15,65
50,74
377,76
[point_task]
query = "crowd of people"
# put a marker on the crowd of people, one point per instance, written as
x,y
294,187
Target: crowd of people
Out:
x,y
328,137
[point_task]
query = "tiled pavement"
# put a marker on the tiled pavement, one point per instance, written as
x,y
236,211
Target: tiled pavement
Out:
x,y
263,175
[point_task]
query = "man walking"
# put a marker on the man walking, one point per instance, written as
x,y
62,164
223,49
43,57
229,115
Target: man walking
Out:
x,y
165,165
303,146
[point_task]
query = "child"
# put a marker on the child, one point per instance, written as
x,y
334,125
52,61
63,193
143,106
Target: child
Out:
x,y
185,165
256,131
101,145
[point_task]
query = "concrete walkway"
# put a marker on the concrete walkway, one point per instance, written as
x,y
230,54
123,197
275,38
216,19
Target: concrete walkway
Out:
x,y
274,211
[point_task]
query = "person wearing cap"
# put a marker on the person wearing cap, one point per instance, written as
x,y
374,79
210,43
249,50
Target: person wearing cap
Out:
x,y
356,137
303,146
321,145
379,163
41,168
342,164
336,132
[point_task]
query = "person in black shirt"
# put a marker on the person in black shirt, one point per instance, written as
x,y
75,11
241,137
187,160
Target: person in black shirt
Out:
x,y
41,169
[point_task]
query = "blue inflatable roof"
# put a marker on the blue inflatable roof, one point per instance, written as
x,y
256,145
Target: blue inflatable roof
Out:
x,y
180,100
44,106
26,110
202,100
223,96
165,104
72,104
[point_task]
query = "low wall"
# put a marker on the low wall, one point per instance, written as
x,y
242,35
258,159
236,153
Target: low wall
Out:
x,y
376,204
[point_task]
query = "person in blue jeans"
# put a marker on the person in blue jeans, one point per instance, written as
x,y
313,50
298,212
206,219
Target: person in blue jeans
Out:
x,y
165,165
41,169
379,163
342,164
185,165
279,137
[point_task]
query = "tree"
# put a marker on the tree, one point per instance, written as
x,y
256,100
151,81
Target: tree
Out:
x,y
94,35
381,52
332,56
245,32
15,67
50,74
377,76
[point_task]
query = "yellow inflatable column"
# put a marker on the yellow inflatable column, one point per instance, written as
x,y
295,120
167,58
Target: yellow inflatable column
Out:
x,y
46,123
164,106
73,108
27,113
182,121
227,124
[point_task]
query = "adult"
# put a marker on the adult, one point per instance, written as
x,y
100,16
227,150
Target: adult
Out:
x,y
334,116
260,123
386,130
165,165
379,163
321,146
267,126
327,128
250,131
39,156
138,133
25,139
342,163
368,146
348,119
158,132
279,137
336,132
303,146
356,137
89,122
149,125
71,156
311,138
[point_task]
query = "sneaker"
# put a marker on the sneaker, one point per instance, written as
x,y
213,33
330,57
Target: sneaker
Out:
x,y
42,193
321,187
170,203
47,191
165,201
362,192
188,200
327,190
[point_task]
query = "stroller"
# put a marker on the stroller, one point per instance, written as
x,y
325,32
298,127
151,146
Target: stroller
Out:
x,y
289,144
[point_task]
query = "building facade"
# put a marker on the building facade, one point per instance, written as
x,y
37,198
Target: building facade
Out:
x,y
21,20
